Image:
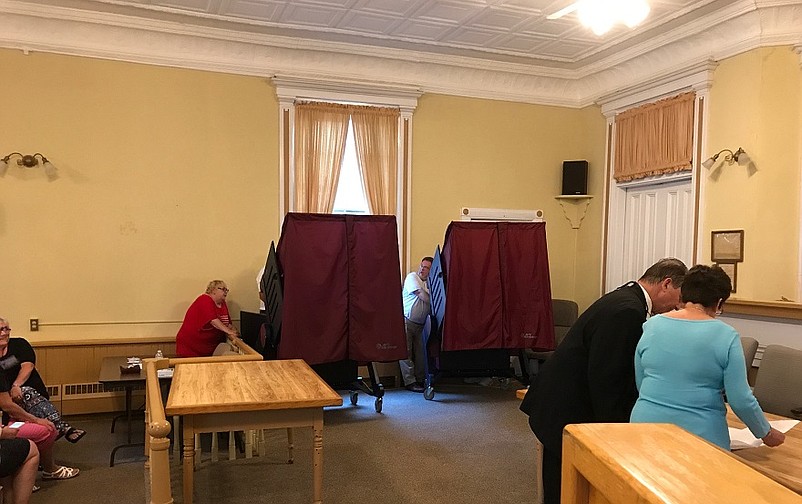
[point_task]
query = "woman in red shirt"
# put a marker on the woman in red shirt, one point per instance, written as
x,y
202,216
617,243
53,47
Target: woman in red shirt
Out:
x,y
206,323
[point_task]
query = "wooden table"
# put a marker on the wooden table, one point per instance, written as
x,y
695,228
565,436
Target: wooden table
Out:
x,y
783,464
224,396
650,463
111,377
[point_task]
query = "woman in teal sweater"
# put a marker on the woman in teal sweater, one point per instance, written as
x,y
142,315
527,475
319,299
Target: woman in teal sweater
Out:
x,y
686,360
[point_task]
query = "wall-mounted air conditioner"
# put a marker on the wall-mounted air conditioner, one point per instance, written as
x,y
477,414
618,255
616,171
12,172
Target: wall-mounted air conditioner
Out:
x,y
500,214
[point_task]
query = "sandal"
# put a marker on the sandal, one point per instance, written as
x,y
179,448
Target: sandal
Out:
x,y
74,435
63,472
36,488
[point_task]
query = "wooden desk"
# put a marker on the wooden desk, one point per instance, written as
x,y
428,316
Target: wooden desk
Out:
x,y
782,464
111,377
657,463
225,396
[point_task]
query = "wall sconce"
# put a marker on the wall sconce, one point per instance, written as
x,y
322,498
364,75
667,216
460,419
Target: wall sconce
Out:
x,y
740,156
29,161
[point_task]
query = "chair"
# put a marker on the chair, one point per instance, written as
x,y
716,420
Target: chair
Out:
x,y
778,387
565,314
750,349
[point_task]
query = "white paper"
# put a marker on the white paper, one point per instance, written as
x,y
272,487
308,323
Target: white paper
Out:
x,y
165,373
743,438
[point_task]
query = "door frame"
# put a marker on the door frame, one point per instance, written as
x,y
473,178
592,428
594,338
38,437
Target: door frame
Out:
x,y
697,79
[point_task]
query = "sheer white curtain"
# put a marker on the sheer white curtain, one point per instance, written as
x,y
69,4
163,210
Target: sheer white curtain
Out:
x,y
320,131
376,139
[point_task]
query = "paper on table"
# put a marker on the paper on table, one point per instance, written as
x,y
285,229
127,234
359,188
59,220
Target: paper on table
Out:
x,y
742,438
165,373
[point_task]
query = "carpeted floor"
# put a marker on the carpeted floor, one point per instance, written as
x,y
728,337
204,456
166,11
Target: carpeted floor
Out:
x,y
470,445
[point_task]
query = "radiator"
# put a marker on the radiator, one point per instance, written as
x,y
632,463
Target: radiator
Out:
x,y
92,397
94,390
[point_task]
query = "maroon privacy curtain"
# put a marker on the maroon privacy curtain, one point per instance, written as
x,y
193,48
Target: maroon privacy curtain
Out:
x,y
498,291
526,286
473,288
342,289
314,263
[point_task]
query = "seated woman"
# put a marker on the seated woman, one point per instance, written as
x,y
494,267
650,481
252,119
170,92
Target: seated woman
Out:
x,y
687,359
206,323
19,460
18,364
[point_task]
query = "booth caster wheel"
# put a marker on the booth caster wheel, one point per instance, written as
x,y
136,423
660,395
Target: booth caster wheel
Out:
x,y
428,394
354,398
378,404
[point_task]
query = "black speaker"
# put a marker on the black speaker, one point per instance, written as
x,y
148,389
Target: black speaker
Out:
x,y
575,177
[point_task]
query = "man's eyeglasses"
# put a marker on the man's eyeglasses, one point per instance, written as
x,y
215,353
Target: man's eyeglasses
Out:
x,y
5,329
224,289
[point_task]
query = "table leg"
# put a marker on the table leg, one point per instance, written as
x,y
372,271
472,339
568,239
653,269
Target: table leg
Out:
x,y
290,445
189,458
128,395
128,399
317,460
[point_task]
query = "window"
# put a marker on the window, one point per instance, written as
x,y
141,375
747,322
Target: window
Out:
x,y
290,90
350,196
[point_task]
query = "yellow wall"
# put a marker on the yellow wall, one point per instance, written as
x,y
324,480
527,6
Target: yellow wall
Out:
x,y
756,103
493,154
168,179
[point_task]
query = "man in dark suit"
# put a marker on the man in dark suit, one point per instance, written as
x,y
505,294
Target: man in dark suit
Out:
x,y
591,375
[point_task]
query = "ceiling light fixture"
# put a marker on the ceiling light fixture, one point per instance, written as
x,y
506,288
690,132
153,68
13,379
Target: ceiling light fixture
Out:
x,y
29,161
740,156
601,15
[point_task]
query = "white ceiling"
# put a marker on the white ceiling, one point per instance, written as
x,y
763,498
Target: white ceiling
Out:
x,y
437,45
502,30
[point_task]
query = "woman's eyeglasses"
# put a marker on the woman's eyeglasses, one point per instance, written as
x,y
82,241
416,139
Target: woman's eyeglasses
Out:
x,y
224,289
5,329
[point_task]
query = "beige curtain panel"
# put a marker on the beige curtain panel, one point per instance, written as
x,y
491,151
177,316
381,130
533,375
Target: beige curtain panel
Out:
x,y
320,131
376,138
655,138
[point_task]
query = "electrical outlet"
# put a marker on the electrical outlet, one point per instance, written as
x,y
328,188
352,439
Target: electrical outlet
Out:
x,y
34,324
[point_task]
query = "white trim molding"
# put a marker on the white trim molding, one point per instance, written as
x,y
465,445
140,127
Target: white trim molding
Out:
x,y
699,79
739,27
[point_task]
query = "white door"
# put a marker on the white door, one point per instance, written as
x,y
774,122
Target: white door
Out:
x,y
657,222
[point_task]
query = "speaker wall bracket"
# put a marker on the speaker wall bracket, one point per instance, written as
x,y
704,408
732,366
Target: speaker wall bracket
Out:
x,y
574,201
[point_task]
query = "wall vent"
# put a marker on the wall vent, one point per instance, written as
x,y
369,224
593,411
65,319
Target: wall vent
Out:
x,y
54,391
500,214
95,389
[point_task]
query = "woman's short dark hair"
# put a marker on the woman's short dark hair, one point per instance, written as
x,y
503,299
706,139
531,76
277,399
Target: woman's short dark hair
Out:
x,y
706,285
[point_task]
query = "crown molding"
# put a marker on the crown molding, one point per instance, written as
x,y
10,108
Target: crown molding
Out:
x,y
698,77
739,27
321,87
